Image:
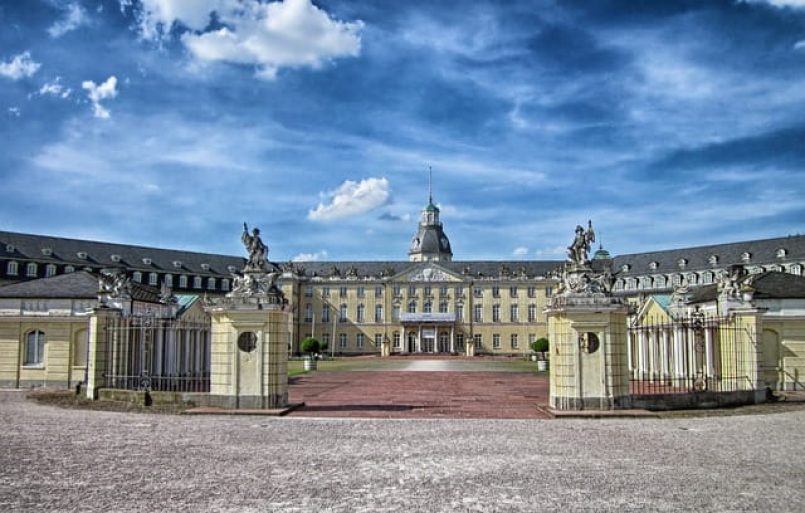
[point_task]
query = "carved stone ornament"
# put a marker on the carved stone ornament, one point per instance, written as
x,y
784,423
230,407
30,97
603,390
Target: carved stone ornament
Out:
x,y
113,284
429,274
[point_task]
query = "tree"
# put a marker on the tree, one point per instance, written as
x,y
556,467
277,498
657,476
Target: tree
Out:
x,y
311,346
540,346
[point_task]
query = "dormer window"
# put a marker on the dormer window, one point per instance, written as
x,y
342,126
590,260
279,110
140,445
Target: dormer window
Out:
x,y
205,267
231,268
177,264
781,253
682,263
746,256
10,248
47,251
626,267
115,258
713,260
82,255
146,261
653,266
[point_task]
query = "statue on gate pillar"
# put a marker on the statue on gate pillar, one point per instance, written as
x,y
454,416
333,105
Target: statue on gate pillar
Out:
x,y
258,251
578,251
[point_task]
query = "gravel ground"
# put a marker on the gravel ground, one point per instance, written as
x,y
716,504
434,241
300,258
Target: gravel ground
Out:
x,y
63,460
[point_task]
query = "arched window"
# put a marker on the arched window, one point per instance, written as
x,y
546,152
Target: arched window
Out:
x,y
183,281
428,307
50,270
361,314
31,270
169,280
34,348
12,268
197,282
412,307
342,313
137,276
225,284
153,279
69,269
211,283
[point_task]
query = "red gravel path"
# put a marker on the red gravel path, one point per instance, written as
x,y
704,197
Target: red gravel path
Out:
x,y
397,394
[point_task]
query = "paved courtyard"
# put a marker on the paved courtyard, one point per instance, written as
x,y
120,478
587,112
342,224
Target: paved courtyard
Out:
x,y
55,460
423,388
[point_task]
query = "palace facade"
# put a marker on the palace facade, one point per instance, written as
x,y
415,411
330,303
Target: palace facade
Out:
x,y
428,303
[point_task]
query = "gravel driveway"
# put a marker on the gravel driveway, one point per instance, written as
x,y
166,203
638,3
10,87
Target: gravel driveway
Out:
x,y
73,460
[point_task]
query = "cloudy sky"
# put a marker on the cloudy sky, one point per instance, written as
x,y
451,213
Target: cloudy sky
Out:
x,y
170,122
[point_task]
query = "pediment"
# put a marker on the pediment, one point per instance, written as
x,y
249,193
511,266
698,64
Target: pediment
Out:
x,y
427,272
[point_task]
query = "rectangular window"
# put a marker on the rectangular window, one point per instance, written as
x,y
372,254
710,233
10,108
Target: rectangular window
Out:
x,y
495,291
342,313
153,279
460,341
183,281
532,291
342,340
325,292
378,291
12,268
478,292
531,338
325,340
361,291
495,341
361,313
378,339
359,340
478,313
512,291
514,341
412,290
427,291
30,270
308,312
396,291
34,348
495,313
548,291
308,291
395,313
478,341
378,313
325,313
532,313
443,291
397,339
342,292
443,307
197,282
459,291
50,270
514,313
460,312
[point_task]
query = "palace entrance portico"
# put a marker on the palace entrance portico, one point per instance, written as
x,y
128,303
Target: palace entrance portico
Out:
x,y
429,332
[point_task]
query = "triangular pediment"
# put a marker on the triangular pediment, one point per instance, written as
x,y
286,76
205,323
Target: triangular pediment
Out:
x,y
427,272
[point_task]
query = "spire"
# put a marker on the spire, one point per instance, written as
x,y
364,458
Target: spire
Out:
x,y
430,185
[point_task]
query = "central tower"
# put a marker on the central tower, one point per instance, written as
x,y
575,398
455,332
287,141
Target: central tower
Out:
x,y
430,244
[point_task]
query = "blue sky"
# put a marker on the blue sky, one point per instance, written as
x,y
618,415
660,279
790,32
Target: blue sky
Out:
x,y
170,122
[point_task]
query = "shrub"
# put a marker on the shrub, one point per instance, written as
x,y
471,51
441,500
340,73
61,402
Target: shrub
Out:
x,y
540,345
310,346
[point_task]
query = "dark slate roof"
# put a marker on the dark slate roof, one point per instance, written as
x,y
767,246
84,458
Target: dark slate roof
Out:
x,y
99,254
475,268
77,285
761,251
768,285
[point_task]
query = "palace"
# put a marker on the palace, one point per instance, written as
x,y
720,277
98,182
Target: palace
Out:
x,y
429,303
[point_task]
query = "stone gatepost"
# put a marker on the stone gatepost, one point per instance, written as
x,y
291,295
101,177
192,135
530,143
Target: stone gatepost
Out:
x,y
250,336
100,323
587,333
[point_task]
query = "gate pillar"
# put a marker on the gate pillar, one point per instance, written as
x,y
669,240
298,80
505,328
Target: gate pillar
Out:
x,y
587,334
98,347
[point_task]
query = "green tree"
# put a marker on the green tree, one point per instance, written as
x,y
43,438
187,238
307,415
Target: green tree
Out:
x,y
311,346
540,346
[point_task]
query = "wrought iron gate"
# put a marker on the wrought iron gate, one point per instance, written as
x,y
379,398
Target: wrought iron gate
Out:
x,y
150,353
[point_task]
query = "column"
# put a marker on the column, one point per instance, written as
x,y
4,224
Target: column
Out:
x,y
679,354
642,349
419,339
403,340
665,356
452,339
630,352
100,333
708,350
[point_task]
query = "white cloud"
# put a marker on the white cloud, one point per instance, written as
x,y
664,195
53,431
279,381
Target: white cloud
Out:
x,y
55,88
353,198
520,251
14,111
556,250
310,257
778,3
270,36
98,92
799,45
74,17
20,66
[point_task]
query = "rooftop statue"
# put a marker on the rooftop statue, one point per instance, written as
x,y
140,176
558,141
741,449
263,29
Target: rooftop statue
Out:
x,y
578,252
258,251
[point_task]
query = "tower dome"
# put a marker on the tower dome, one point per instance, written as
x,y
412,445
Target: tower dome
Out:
x,y
430,242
